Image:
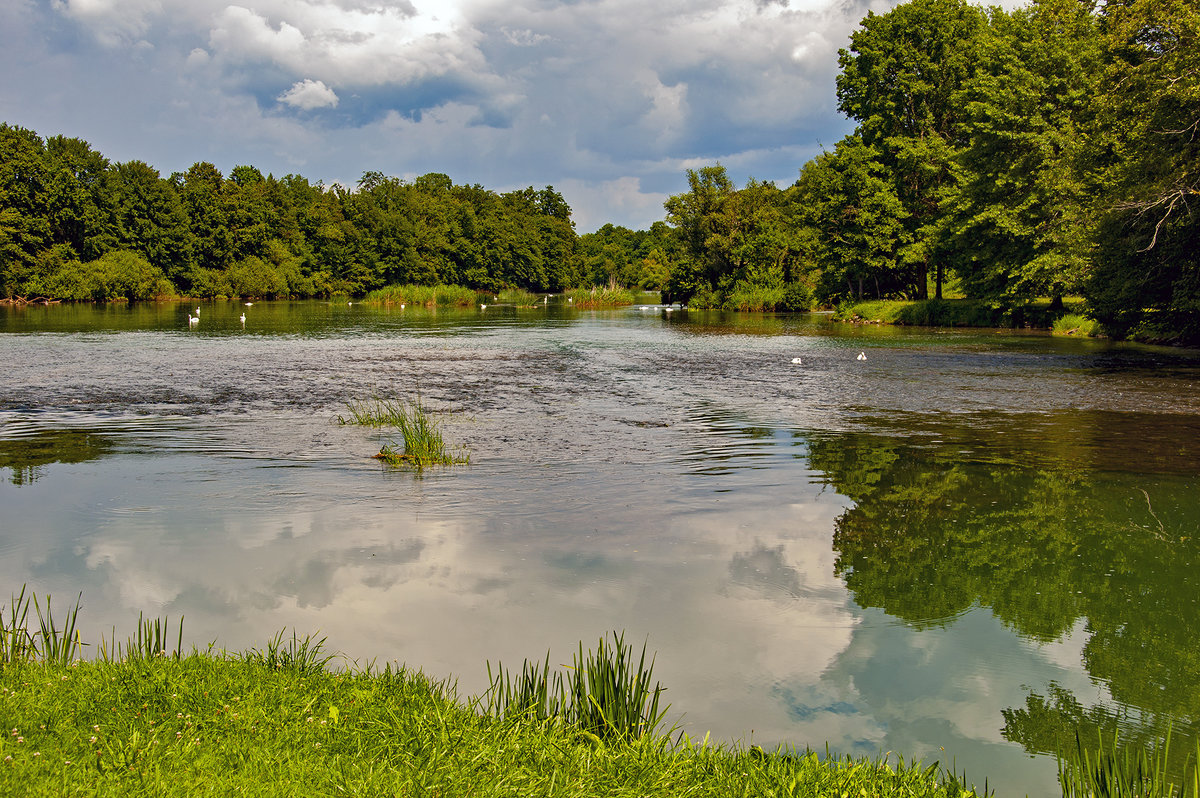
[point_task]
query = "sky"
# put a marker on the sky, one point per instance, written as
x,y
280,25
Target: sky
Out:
x,y
609,101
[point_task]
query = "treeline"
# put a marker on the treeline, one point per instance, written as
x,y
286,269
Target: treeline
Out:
x,y
1045,152
75,226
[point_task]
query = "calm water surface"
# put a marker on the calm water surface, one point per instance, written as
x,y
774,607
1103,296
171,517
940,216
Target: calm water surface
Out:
x,y
962,548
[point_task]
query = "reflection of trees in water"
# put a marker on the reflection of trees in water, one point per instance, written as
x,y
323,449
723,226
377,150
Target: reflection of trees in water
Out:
x,y
28,457
1082,521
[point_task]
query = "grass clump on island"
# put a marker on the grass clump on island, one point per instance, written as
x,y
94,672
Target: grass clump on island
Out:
x,y
423,295
611,296
157,721
421,443
519,297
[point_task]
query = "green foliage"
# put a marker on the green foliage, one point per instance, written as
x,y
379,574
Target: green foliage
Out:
x,y
1111,769
279,720
1075,324
61,204
420,431
611,296
518,297
604,695
426,295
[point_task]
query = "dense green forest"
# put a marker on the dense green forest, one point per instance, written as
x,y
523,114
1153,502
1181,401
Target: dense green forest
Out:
x,y
1046,152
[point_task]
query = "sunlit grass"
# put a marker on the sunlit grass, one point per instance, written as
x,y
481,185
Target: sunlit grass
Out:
x,y
603,695
1109,769
420,444
599,297
279,721
1076,324
422,295
519,297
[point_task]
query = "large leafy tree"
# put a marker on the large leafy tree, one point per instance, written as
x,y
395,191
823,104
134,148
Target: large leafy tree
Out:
x,y
847,197
1147,263
149,218
1020,219
899,79
24,221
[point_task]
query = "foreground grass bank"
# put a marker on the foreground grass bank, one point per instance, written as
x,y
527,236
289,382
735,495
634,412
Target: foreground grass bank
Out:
x,y
220,725
145,719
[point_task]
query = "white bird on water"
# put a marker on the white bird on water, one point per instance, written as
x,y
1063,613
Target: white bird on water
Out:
x,y
192,320
483,307
243,318
402,306
862,356
197,312
248,304
796,360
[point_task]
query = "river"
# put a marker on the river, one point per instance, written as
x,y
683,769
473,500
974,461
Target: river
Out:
x,y
961,546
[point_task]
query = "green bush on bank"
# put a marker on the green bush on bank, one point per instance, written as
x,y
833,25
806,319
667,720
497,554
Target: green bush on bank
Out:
x,y
955,313
117,275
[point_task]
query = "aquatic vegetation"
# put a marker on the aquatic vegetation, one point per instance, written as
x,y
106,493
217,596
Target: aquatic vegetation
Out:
x,y
604,695
1112,770
374,413
426,295
600,297
519,297
1076,324
423,444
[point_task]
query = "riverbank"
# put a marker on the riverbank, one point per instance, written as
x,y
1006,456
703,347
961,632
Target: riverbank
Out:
x,y
145,718
957,313
209,724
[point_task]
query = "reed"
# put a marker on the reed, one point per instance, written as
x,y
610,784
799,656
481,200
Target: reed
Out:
x,y
303,656
421,435
374,413
519,297
424,295
16,644
149,642
604,694
1075,324
1123,772
58,646
600,297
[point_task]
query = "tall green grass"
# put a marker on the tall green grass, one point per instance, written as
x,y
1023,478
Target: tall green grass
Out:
x,y
600,297
1109,769
519,297
421,443
1076,324
604,694
426,295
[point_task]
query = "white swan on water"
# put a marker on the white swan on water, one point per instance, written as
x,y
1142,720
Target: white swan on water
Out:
x,y
796,360
193,320
243,318
861,356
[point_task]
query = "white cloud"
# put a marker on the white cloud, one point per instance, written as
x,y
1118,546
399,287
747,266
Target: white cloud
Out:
x,y
309,94
600,96
113,22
